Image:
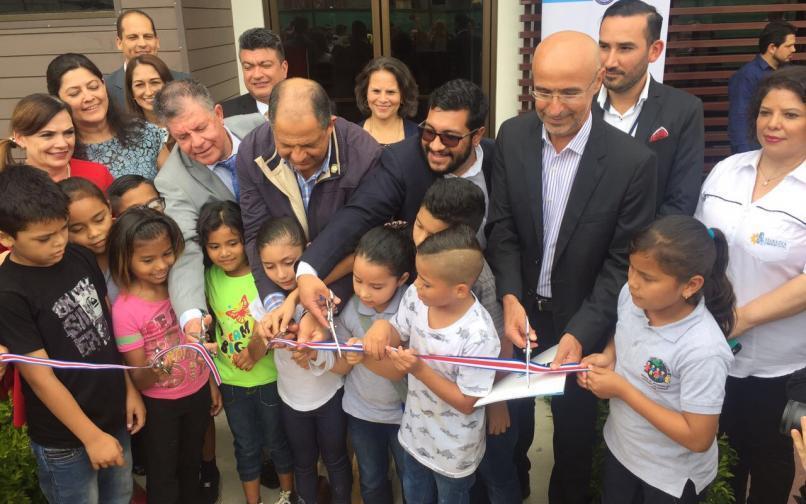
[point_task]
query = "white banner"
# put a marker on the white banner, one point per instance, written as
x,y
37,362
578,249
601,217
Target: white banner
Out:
x,y
586,15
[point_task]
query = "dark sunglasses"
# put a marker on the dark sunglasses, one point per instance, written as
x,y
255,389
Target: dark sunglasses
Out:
x,y
428,135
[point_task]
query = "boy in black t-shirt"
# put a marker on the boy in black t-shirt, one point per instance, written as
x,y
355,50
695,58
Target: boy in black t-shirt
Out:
x,y
53,305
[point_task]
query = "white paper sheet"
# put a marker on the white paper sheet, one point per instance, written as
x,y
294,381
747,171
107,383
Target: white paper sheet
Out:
x,y
514,385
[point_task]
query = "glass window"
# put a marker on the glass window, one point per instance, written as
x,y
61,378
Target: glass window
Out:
x,y
33,6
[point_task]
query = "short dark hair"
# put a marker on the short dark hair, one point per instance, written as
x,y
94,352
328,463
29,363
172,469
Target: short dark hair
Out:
x,y
792,78
213,215
77,188
276,228
390,246
261,38
126,13
405,82
461,242
144,59
317,96
121,186
629,8
455,200
133,225
29,197
461,94
774,33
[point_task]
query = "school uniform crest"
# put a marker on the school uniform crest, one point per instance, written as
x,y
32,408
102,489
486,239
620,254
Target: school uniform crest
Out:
x,y
657,373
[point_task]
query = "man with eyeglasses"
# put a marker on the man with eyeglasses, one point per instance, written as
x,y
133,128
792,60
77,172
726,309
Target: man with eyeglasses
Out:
x,y
569,191
667,120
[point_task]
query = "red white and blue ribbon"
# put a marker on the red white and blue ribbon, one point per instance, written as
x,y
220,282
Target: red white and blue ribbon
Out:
x,y
492,363
9,358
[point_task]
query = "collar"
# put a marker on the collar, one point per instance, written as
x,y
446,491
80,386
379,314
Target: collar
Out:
x,y
674,331
390,309
475,168
762,63
236,142
577,144
322,169
751,162
262,108
602,98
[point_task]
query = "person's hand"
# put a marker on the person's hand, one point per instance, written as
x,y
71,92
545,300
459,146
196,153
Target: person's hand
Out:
x,y
310,330
601,360
568,350
193,328
376,339
303,356
104,451
135,411
2,365
312,295
515,322
606,383
405,360
216,403
497,418
797,440
279,318
243,360
353,358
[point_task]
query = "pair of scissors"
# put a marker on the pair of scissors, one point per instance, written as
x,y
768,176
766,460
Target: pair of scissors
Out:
x,y
528,352
331,305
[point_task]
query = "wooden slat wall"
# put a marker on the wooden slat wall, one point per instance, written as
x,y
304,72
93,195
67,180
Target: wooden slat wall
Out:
x,y
28,44
708,41
211,45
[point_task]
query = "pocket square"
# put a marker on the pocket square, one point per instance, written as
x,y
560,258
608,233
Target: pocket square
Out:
x,y
659,134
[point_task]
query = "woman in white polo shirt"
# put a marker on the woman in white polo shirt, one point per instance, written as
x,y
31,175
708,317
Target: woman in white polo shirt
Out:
x,y
759,200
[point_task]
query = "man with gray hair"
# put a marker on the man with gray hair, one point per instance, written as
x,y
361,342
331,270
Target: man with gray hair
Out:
x,y
202,167
304,163
263,63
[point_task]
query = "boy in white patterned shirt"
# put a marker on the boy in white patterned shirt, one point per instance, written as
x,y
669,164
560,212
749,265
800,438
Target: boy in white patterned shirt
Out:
x,y
441,431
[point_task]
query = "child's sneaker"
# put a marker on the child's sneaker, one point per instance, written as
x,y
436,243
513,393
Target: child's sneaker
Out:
x,y
286,497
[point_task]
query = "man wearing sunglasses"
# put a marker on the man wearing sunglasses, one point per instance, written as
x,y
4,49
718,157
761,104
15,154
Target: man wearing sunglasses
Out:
x,y
450,144
569,191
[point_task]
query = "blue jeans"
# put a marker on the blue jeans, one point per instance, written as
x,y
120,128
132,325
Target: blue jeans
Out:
x,y
255,419
496,473
372,443
424,486
66,475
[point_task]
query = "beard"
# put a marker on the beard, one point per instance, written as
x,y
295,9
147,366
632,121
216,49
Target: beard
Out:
x,y
628,80
457,159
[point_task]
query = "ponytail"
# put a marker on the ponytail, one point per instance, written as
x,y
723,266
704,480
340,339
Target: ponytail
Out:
x,y
718,291
6,158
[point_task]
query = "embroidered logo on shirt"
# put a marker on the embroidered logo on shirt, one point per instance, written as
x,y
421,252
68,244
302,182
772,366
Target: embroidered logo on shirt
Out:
x,y
658,374
765,241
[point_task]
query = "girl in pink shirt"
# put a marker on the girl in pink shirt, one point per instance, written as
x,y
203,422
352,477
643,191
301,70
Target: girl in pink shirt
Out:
x,y
143,246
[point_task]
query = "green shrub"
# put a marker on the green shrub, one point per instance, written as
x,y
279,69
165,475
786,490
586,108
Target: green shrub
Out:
x,y
18,480
718,492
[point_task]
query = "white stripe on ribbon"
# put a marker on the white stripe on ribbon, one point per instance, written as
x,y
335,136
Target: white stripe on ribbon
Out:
x,y
492,363
9,358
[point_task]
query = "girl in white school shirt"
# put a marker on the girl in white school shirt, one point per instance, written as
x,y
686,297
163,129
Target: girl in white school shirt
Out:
x,y
665,369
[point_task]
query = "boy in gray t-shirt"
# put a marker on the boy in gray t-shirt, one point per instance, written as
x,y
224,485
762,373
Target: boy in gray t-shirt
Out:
x,y
441,431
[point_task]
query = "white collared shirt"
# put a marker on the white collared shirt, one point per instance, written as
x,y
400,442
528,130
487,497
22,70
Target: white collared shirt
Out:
x,y
222,172
475,175
262,108
559,171
628,121
767,245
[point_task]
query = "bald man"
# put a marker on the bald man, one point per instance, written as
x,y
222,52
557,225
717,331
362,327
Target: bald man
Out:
x,y
303,163
569,191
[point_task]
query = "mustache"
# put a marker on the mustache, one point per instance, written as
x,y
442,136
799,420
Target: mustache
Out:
x,y
613,71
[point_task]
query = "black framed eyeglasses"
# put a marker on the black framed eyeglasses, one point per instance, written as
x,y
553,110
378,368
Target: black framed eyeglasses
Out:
x,y
428,134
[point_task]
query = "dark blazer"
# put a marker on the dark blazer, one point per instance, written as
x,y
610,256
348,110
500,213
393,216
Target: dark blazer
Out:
x,y
115,86
239,105
612,197
680,155
394,191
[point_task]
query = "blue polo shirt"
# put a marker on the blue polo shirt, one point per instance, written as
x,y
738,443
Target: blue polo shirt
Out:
x,y
741,89
681,366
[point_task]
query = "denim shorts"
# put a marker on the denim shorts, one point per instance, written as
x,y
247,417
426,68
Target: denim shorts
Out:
x,y
254,417
66,475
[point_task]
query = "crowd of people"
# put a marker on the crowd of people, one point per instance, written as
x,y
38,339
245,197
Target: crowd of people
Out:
x,y
145,216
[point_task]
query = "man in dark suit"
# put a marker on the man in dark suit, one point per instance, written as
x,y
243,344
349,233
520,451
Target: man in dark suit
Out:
x,y
569,191
669,121
136,35
264,65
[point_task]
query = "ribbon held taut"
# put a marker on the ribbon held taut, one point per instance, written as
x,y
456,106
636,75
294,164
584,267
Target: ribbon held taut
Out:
x,y
9,358
492,363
